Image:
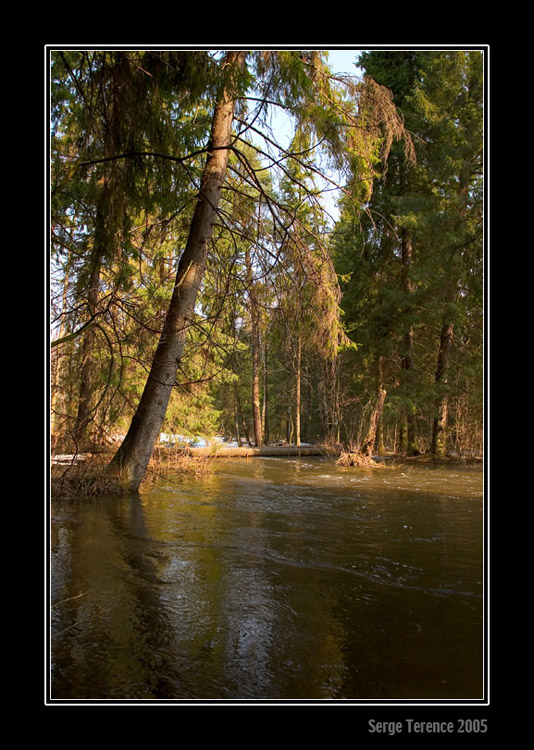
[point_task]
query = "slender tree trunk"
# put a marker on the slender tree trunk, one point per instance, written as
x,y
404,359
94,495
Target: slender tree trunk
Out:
x,y
306,408
407,257
258,427
411,443
107,240
439,428
133,456
264,416
240,422
236,425
256,408
379,441
255,336
56,356
241,418
289,426
106,243
109,226
298,379
329,400
402,434
368,443
83,417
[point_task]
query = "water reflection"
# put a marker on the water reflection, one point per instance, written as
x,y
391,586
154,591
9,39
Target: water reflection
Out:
x,y
113,633
272,579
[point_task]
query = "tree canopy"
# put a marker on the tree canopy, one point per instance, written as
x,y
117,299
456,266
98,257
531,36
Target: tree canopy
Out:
x,y
178,214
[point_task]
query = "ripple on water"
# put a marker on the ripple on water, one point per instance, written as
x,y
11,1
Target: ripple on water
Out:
x,y
275,580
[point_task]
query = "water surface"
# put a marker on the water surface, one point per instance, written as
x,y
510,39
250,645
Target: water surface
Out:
x,y
273,579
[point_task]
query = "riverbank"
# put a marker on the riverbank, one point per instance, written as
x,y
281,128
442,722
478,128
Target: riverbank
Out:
x,y
84,474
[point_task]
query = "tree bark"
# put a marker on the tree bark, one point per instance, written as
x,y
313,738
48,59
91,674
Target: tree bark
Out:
x,y
56,356
328,393
264,415
133,456
240,418
369,442
298,389
407,257
84,413
236,417
255,341
439,428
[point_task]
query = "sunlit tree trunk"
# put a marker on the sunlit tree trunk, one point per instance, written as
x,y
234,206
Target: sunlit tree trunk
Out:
x,y
368,443
298,389
56,356
289,426
264,415
255,342
133,456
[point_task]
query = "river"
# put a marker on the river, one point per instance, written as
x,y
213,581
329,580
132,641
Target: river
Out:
x,y
272,579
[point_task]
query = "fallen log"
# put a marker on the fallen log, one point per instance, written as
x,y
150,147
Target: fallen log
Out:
x,y
226,451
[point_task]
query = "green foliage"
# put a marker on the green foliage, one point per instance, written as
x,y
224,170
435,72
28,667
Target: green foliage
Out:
x,y
437,201
129,134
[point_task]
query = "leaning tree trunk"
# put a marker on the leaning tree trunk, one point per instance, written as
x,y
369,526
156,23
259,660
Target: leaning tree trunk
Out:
x,y
133,456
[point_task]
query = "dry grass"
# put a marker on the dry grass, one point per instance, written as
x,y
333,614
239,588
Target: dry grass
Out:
x,y
181,460
355,458
83,478
88,475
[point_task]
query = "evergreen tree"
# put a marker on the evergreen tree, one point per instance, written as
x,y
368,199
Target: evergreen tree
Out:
x,y
109,109
413,261
245,329
450,97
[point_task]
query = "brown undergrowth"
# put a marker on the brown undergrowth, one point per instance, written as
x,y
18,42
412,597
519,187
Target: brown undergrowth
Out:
x,y
355,458
83,475
88,475
181,460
